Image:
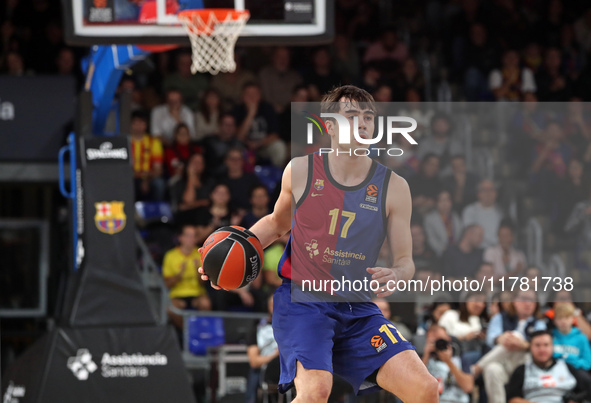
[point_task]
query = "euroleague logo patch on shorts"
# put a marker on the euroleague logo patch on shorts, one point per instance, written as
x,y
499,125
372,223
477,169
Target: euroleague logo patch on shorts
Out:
x,y
371,194
378,343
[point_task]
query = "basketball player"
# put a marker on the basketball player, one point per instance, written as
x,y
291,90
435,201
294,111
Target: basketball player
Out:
x,y
352,339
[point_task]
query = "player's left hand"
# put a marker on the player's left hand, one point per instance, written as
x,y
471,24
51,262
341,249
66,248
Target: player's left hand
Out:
x,y
383,275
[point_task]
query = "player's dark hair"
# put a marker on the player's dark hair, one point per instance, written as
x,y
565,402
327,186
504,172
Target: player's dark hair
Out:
x,y
330,102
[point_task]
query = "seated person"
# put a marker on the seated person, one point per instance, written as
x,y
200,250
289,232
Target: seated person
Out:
x,y
146,157
508,334
570,343
455,382
187,290
466,325
259,206
262,350
545,379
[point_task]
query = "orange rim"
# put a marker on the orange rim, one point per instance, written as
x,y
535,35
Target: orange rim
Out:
x,y
220,14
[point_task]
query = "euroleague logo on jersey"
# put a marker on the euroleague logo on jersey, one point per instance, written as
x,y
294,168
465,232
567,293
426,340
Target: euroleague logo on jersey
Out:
x,y
371,194
378,343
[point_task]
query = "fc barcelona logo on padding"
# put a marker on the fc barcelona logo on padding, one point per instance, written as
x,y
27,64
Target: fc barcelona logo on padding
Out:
x,y
110,217
319,185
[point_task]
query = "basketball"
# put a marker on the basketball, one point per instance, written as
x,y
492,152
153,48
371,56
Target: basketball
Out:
x,y
232,257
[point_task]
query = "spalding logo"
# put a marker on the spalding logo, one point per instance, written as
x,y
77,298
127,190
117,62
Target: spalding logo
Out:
x,y
254,261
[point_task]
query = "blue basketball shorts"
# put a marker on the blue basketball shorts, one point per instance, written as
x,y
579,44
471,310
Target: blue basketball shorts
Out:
x,y
352,340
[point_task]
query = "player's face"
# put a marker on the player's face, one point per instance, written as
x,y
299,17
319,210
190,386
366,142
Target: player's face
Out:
x,y
355,113
541,349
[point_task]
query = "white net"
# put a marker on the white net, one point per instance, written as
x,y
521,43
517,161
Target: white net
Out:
x,y
213,34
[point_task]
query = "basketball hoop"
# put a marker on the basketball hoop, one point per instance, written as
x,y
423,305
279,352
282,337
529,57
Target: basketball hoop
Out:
x,y
213,34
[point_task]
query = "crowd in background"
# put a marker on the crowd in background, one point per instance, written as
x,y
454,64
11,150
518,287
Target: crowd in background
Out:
x,y
212,146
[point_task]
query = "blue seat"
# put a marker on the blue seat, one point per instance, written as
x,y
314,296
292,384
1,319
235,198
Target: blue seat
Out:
x,y
269,175
154,211
205,332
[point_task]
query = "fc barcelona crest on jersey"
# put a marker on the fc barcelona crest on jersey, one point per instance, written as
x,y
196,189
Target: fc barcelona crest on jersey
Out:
x,y
110,217
319,185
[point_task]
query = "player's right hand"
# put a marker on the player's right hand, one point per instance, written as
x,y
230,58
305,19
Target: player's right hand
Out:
x,y
204,277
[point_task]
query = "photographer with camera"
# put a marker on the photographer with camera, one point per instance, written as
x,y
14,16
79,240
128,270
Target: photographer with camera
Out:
x,y
442,358
546,379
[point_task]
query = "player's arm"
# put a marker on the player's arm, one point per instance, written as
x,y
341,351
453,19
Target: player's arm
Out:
x,y
398,210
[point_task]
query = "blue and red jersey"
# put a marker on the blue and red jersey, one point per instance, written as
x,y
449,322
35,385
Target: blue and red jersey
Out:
x,y
337,230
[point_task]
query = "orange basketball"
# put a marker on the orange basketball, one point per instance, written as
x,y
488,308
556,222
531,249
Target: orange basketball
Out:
x,y
232,257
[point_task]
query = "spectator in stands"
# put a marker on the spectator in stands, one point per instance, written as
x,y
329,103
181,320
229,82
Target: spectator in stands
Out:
x,y
467,325
476,61
218,214
570,343
191,193
65,64
388,51
292,130
345,59
464,259
259,206
278,79
500,302
147,157
383,94
191,86
217,147
230,85
422,255
508,333
409,78
460,183
553,85
239,182
425,185
550,160
259,126
413,108
15,64
455,381
506,260
371,78
442,225
262,352
485,213
166,117
511,81
207,118
321,78
177,155
582,28
440,142
566,297
574,189
577,127
179,269
546,379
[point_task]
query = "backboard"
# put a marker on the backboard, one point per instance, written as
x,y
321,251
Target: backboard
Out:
x,y
272,22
